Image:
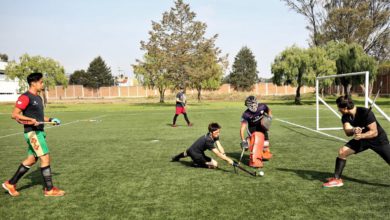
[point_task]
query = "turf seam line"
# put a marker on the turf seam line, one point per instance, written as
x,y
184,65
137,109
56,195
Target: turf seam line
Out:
x,y
319,132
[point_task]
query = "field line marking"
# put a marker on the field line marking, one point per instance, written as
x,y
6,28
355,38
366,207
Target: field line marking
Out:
x,y
71,122
319,132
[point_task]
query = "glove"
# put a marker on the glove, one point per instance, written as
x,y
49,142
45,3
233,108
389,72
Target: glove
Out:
x,y
244,145
235,164
55,121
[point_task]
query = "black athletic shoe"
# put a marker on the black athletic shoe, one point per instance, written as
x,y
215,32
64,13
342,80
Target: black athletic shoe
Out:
x,y
175,159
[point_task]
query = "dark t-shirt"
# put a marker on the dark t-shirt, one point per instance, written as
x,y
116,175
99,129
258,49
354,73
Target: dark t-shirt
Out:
x,y
362,120
205,142
253,118
182,97
32,107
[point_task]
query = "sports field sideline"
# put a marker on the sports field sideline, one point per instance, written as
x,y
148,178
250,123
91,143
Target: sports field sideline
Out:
x,y
113,161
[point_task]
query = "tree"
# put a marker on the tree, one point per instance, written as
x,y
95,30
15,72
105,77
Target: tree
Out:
x,y
244,70
152,74
365,22
313,12
298,67
3,57
173,47
351,58
54,73
320,64
79,77
98,74
206,69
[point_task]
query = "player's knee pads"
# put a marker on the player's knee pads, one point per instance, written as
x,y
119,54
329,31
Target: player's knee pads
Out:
x,y
266,143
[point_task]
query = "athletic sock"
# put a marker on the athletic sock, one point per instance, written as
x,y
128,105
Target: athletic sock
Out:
x,y
340,164
179,156
186,118
46,174
19,173
174,118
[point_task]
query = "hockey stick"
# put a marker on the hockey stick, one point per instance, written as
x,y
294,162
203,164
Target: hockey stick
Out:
x,y
242,154
245,170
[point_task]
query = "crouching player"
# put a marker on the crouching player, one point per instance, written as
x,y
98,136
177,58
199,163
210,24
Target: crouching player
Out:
x,y
257,142
209,141
29,111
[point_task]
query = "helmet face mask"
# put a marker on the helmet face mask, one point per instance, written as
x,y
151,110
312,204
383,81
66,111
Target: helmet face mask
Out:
x,y
253,107
251,103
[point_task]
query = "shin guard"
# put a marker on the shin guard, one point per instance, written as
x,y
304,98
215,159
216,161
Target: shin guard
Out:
x,y
256,150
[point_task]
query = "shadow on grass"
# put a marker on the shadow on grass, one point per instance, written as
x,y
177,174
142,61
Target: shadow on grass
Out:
x,y
321,176
35,179
316,136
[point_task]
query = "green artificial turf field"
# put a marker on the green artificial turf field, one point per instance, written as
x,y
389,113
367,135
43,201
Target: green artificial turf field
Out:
x,y
119,168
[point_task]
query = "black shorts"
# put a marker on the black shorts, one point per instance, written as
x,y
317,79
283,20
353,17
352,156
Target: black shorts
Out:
x,y
362,145
199,160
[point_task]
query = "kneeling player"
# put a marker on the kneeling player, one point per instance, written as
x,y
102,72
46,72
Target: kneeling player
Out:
x,y
258,141
206,142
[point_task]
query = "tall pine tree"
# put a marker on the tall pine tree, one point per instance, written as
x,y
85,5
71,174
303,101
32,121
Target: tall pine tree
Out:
x,y
244,71
98,74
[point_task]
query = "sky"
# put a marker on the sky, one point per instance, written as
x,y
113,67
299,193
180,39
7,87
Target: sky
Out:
x,y
74,32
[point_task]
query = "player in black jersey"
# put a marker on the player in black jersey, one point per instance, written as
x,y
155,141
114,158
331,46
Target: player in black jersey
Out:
x,y
368,134
209,141
29,111
258,141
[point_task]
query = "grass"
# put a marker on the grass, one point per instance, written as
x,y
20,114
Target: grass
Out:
x,y
119,168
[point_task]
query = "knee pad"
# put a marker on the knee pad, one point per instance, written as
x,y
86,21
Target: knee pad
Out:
x,y
256,149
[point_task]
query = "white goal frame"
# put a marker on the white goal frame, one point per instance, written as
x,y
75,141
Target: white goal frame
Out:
x,y
319,99
366,99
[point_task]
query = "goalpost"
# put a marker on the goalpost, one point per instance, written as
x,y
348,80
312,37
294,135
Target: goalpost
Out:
x,y
366,98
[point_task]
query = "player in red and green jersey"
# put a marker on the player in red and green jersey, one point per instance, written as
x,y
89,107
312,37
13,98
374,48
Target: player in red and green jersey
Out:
x,y
29,111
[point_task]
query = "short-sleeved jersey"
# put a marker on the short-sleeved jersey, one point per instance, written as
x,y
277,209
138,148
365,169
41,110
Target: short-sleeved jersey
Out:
x,y
32,107
253,118
205,142
182,97
362,119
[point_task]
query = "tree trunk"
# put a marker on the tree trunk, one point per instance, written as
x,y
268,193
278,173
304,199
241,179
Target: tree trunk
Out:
x,y
298,96
162,95
199,93
346,89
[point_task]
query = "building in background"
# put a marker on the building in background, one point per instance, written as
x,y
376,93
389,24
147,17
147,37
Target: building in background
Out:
x,y
9,89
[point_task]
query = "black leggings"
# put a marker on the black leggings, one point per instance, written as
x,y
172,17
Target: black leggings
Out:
x,y
383,151
185,117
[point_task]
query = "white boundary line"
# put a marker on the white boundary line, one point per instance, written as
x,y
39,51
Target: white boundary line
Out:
x,y
72,122
319,132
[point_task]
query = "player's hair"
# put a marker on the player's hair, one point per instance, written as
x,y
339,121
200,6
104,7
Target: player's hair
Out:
x,y
345,102
214,126
34,77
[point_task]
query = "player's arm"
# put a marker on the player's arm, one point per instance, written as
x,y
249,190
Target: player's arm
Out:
x,y
219,147
222,156
371,133
20,118
178,100
243,130
349,129
269,112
